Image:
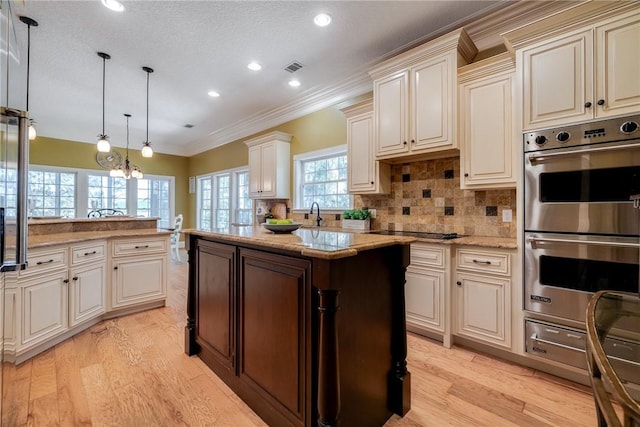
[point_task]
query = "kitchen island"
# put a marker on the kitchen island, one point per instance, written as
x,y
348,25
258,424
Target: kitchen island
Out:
x,y
308,328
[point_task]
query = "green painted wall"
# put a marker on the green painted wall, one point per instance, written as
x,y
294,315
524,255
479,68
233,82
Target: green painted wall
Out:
x,y
71,154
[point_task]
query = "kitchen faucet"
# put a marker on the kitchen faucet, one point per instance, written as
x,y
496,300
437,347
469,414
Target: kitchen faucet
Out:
x,y
318,219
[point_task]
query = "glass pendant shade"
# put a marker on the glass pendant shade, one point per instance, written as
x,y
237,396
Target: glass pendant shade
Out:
x,y
147,151
103,144
32,132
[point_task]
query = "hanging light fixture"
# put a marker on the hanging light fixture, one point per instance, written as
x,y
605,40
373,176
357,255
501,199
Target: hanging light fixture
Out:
x,y
30,23
147,151
129,170
103,138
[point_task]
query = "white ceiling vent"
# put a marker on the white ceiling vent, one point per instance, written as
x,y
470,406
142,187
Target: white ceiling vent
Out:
x,y
293,67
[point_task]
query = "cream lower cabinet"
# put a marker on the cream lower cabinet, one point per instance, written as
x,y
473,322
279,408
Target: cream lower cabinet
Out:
x,y
87,292
426,291
482,288
139,271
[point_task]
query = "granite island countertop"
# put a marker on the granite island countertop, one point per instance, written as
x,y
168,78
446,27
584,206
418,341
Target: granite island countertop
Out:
x,y
54,239
311,242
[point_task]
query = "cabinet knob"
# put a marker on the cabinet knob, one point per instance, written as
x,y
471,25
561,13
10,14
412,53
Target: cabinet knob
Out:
x,y
601,102
371,182
459,283
466,175
75,278
587,105
405,142
413,141
115,268
65,281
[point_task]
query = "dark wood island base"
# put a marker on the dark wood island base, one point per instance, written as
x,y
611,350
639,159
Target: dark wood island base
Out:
x,y
304,340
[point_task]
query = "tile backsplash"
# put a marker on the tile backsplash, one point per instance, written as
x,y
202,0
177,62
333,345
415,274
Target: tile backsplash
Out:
x,y
426,196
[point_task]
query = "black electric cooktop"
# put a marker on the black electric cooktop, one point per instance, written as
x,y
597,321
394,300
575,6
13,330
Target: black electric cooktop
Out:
x,y
419,234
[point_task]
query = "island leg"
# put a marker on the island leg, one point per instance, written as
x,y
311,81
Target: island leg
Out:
x,y
328,368
399,377
190,345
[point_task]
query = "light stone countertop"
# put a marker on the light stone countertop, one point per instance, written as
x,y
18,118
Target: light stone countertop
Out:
x,y
315,243
53,239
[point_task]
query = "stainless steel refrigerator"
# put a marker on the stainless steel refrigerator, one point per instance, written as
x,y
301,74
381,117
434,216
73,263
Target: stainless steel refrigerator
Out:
x,y
14,159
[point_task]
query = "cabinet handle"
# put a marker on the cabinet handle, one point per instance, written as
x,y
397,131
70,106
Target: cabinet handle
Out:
x,y
142,247
601,102
459,283
65,281
90,253
477,261
115,268
44,262
587,105
75,278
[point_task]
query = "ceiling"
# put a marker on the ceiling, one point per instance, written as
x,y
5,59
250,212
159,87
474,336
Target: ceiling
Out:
x,y
198,46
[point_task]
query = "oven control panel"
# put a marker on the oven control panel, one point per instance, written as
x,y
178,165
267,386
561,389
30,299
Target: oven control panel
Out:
x,y
611,130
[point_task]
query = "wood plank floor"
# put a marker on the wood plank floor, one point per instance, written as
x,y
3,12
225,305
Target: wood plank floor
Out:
x,y
132,371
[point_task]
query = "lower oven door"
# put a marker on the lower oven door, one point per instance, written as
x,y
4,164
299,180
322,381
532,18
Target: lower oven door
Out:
x,y
583,189
561,272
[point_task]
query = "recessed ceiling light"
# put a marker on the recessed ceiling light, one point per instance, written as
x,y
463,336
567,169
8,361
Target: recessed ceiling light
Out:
x,y
114,5
213,94
294,83
322,20
254,66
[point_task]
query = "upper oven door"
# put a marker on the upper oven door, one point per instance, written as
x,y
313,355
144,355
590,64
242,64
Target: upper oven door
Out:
x,y
584,189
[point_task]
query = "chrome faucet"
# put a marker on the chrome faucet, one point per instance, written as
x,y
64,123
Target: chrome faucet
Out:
x,y
318,219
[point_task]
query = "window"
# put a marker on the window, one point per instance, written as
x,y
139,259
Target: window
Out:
x,y
52,193
321,176
154,199
8,191
223,199
107,192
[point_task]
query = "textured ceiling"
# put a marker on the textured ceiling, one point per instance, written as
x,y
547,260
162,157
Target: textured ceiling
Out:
x,y
197,46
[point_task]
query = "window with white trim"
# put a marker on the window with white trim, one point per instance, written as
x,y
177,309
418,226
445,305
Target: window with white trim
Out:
x,y
223,199
154,199
321,176
106,192
8,189
51,193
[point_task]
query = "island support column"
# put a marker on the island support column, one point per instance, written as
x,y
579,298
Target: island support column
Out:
x,y
190,345
328,367
399,377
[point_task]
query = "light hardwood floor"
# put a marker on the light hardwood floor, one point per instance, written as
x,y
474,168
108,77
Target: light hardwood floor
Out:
x,y
132,371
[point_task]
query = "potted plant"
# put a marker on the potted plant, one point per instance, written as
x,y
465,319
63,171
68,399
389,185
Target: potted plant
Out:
x,y
356,219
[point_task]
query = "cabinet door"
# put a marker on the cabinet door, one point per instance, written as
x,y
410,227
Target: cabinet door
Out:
x,y
87,293
44,307
138,280
618,67
10,317
274,314
424,295
215,301
483,308
488,145
558,81
361,162
269,171
391,107
432,102
255,172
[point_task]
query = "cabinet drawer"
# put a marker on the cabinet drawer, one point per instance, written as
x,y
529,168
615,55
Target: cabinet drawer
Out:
x,y
42,260
427,256
81,254
139,246
487,262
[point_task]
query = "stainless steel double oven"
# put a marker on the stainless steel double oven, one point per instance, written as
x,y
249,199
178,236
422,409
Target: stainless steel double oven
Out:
x,y
581,226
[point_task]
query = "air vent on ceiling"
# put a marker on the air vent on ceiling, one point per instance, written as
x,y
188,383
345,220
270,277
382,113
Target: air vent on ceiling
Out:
x,y
293,67
188,126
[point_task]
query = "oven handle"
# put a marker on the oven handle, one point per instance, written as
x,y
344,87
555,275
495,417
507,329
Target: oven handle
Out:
x,y
534,241
533,158
535,337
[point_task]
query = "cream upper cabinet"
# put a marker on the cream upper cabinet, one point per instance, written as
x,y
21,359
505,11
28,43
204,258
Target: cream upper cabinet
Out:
x,y
579,65
489,139
269,166
415,101
365,175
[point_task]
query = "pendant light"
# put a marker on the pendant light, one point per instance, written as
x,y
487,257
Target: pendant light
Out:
x,y
30,23
147,151
129,170
103,138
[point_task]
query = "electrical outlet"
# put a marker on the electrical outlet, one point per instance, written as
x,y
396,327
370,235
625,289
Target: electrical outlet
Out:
x,y
372,212
507,215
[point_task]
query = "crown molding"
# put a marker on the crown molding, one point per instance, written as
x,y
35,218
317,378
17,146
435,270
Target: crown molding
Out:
x,y
315,99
